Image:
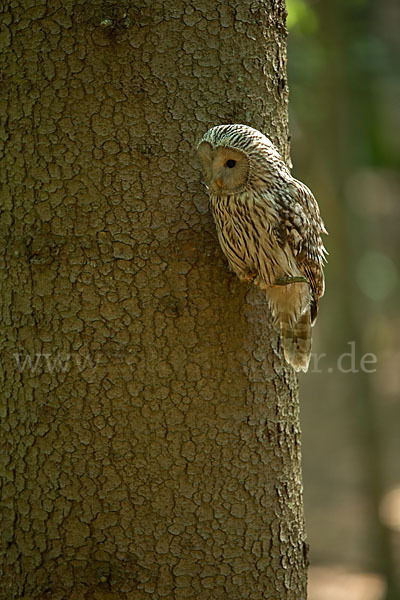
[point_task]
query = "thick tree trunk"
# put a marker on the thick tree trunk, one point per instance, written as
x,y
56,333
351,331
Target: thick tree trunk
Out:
x,y
151,428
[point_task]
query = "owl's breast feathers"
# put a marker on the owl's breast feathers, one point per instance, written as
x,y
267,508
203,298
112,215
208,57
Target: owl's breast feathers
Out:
x,y
236,233
246,228
273,235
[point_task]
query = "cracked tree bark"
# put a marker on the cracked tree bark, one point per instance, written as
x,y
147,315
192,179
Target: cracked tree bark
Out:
x,y
150,426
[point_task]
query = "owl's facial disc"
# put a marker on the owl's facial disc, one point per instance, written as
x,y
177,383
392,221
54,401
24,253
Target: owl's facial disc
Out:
x,y
229,170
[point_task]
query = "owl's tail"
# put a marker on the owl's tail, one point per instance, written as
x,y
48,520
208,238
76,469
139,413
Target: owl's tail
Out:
x,y
296,340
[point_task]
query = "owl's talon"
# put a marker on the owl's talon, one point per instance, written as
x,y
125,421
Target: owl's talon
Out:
x,y
246,279
260,283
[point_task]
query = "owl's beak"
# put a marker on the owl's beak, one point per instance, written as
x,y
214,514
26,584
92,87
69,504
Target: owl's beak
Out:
x,y
216,185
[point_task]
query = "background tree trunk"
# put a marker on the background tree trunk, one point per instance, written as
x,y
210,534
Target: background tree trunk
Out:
x,y
151,429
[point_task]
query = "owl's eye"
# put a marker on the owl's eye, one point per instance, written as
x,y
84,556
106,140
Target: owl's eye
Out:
x,y
230,163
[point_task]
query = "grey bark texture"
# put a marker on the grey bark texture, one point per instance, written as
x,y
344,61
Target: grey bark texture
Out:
x,y
150,429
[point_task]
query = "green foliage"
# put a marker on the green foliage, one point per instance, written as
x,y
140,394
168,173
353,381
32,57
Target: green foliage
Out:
x,y
301,16
344,88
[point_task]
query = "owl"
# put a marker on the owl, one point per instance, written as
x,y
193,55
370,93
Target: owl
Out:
x,y
269,228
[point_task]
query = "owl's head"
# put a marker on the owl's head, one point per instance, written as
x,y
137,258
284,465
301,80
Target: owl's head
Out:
x,y
236,158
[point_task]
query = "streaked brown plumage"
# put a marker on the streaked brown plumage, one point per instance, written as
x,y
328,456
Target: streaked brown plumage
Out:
x,y
269,228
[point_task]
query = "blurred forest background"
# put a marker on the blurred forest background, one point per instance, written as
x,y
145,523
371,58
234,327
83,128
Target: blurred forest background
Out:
x,y
344,81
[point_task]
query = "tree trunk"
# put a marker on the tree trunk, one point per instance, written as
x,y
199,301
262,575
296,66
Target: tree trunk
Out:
x,y
151,428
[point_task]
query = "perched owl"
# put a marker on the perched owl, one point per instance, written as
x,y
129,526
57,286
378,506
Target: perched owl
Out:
x,y
269,228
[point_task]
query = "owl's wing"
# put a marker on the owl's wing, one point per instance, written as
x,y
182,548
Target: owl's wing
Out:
x,y
303,226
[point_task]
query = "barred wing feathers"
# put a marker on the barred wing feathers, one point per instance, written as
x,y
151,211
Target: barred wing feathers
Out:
x,y
304,226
